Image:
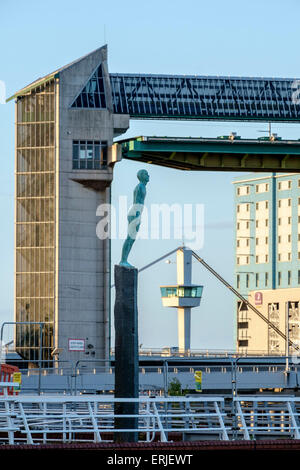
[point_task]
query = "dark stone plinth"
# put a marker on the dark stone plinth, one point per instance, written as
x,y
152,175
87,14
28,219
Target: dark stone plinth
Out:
x,y
126,351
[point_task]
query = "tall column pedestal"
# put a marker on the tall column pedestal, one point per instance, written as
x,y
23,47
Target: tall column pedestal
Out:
x,y
126,351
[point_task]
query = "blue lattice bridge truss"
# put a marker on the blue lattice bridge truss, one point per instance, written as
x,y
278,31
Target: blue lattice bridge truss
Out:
x,y
200,97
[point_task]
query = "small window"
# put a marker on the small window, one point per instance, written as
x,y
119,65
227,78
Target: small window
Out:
x,y
89,155
289,202
289,238
266,279
298,276
279,238
279,256
289,220
267,240
243,324
266,222
266,258
257,205
267,204
238,281
243,343
289,277
247,280
256,280
279,203
279,278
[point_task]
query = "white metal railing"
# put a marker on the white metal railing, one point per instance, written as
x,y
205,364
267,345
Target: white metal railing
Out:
x,y
44,419
90,418
267,417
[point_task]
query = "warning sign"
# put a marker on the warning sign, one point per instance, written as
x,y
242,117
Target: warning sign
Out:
x,y
198,380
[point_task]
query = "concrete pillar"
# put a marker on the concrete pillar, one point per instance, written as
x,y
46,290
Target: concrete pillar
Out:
x,y
184,329
126,351
184,277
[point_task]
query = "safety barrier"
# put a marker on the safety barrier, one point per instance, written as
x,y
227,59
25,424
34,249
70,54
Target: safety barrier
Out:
x,y
90,418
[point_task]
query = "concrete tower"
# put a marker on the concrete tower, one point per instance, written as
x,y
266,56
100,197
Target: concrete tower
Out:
x,y
184,296
65,125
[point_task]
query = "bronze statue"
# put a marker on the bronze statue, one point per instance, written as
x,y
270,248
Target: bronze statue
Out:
x,y
134,216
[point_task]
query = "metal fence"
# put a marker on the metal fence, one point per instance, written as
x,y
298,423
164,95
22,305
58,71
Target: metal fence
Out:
x,y
49,419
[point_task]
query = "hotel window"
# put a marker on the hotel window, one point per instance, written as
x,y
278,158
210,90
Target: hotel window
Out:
x,y
256,241
257,205
267,204
266,222
256,258
279,203
247,224
298,276
238,260
267,240
238,226
247,280
279,256
289,238
289,220
238,281
238,208
289,256
256,280
89,155
256,223
279,185
266,279
267,258
279,238
289,277
289,202
279,221
279,278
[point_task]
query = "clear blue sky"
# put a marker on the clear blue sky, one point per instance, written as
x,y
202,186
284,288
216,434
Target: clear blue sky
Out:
x,y
241,38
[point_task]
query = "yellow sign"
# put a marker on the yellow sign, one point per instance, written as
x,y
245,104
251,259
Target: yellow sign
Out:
x,y
198,380
17,378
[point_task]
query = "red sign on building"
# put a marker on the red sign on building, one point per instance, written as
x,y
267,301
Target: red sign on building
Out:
x,y
258,298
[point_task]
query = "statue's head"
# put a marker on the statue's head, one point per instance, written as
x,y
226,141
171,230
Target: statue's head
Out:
x,y
143,176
